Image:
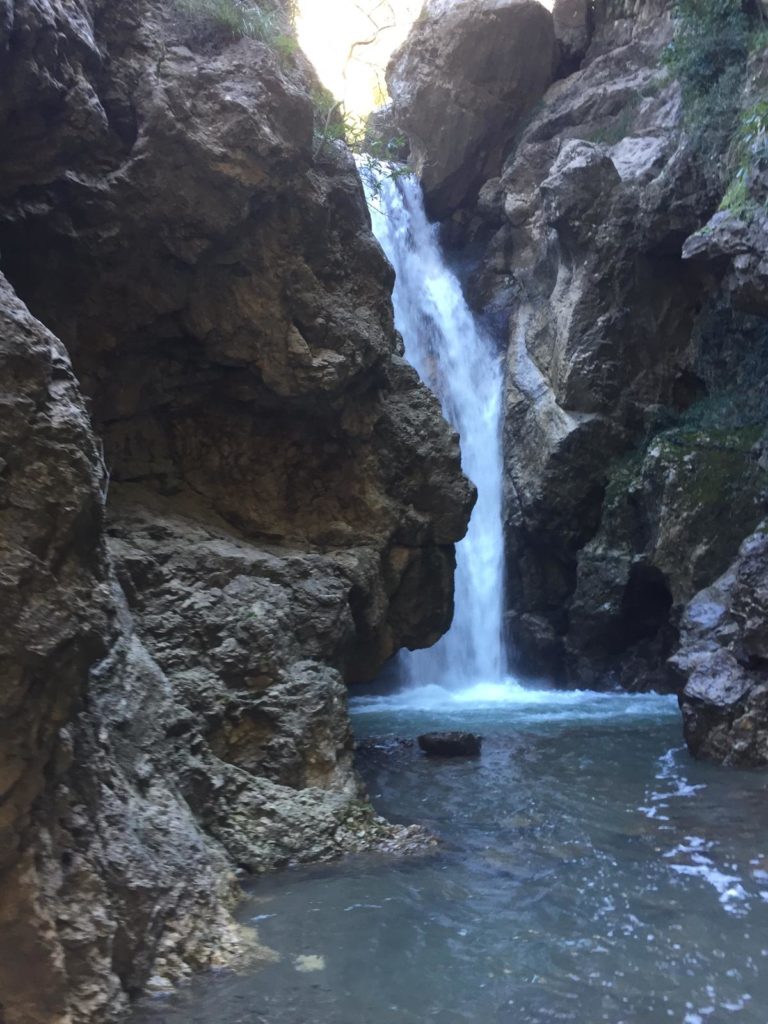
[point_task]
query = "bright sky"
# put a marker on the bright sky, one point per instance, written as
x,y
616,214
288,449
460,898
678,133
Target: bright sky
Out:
x,y
329,28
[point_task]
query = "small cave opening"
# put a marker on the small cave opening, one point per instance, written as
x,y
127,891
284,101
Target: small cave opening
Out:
x,y
646,604
687,389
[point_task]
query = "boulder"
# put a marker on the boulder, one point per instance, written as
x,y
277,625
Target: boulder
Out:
x,y
722,656
461,85
736,246
450,744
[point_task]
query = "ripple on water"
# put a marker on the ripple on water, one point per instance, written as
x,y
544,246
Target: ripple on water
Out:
x,y
589,873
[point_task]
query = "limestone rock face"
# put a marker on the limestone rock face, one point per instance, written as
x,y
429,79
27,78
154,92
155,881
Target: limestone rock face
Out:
x,y
461,84
733,244
584,254
724,645
282,496
55,614
221,295
97,848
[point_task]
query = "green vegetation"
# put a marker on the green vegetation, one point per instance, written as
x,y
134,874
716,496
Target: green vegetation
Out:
x,y
269,23
655,85
713,41
748,155
377,157
708,52
708,56
703,471
620,126
716,434
759,39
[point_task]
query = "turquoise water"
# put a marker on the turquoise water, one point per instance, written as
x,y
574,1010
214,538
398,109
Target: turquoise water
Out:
x,y
588,872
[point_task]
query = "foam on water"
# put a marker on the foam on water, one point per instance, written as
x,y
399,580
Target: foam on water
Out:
x,y
695,856
528,702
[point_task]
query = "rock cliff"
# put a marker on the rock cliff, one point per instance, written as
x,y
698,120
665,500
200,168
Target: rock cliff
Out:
x,y
636,365
224,493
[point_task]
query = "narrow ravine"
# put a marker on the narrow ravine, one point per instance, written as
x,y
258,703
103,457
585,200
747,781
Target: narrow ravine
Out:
x,y
263,524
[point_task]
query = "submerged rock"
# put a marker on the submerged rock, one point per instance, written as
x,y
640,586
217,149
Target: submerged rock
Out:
x,y
450,744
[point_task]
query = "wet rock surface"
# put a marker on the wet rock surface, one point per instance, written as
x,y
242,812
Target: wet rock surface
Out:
x,y
450,744
587,219
632,474
282,496
722,656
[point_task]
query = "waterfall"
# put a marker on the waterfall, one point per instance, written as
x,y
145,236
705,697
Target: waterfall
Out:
x,y
458,361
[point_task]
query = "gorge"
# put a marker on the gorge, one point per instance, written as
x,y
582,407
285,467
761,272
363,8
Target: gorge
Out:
x,y
228,497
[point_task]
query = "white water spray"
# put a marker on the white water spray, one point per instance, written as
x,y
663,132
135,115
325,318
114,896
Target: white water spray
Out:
x,y
458,361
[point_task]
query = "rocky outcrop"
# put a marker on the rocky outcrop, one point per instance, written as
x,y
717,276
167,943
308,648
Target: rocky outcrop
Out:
x,y
282,495
55,616
461,84
632,477
104,869
734,241
721,659
723,656
587,220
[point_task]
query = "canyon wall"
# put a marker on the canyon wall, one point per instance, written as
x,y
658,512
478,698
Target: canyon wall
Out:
x,y
635,338
224,493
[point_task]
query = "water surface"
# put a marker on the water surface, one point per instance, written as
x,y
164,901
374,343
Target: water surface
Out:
x,y
588,872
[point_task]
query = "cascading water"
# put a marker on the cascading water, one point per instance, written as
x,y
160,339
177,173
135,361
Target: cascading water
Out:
x,y
459,362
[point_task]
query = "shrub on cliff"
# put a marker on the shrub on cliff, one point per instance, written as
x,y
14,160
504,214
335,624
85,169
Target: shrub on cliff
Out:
x,y
746,194
708,56
709,48
270,23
